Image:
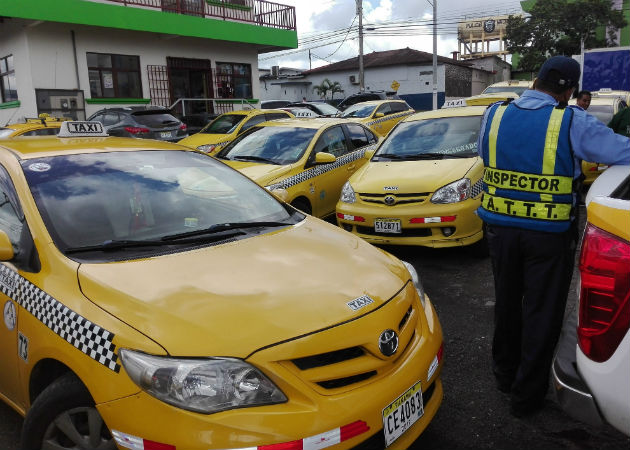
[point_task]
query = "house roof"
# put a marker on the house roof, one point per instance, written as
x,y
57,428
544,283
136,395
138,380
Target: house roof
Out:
x,y
403,56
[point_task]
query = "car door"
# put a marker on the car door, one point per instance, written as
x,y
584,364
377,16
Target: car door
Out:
x,y
325,187
12,344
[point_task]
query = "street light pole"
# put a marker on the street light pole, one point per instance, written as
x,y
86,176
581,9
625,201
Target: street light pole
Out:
x,y
435,79
360,14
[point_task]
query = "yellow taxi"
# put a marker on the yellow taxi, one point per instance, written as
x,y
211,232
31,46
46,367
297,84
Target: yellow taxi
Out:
x,y
603,108
222,130
117,335
310,159
379,115
515,86
423,184
44,125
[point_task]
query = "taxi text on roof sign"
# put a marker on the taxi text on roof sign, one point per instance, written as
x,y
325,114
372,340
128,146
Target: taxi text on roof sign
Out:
x,y
82,129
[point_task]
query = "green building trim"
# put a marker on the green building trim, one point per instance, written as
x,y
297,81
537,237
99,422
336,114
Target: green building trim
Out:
x,y
82,12
7,105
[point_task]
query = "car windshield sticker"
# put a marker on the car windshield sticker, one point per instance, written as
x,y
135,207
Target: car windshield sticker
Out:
x,y
39,167
318,170
9,315
23,347
89,338
360,302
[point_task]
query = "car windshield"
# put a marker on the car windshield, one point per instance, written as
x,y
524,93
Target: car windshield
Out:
x,y
516,89
224,124
326,109
272,145
440,138
6,132
604,113
97,199
359,110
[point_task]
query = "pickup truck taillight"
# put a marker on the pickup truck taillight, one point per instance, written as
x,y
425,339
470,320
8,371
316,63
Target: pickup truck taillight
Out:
x,y
604,293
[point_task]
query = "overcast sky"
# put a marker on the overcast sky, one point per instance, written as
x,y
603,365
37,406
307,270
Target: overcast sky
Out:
x,y
319,16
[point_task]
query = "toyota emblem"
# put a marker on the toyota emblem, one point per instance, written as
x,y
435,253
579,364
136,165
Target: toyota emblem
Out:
x,y
388,342
390,200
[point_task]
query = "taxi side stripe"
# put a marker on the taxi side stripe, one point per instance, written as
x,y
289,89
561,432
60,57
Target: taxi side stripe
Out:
x,y
318,170
89,338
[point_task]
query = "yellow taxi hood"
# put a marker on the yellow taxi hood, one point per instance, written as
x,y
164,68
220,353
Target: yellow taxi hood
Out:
x,y
256,292
263,174
198,139
410,176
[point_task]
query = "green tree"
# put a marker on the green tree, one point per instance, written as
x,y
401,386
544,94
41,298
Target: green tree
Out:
x,y
327,85
557,27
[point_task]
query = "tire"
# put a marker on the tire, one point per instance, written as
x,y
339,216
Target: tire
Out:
x,y
303,205
65,404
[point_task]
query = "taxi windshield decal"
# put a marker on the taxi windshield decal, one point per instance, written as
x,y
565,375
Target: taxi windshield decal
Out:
x,y
79,332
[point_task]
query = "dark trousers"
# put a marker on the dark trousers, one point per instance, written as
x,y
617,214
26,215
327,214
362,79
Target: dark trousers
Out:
x,y
532,273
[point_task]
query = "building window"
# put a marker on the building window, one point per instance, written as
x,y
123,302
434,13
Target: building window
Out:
x,y
8,89
116,76
234,80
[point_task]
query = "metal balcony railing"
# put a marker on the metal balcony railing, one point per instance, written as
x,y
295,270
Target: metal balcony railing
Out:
x,y
257,12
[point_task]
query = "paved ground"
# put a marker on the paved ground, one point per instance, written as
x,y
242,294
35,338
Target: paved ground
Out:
x,y
473,415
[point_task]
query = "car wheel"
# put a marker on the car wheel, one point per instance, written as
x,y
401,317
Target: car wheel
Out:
x,y
303,205
64,416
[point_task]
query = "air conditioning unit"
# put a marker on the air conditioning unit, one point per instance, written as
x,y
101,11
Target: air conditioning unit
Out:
x,y
353,79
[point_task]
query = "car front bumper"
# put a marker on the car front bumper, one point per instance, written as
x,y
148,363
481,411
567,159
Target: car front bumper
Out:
x,y
572,393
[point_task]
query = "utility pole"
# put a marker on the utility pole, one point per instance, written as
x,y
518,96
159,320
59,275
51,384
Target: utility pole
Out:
x,y
435,79
360,14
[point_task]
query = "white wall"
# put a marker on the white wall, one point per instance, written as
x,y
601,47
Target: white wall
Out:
x,y
14,43
44,53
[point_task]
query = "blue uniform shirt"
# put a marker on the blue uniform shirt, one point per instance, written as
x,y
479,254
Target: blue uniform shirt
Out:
x,y
591,140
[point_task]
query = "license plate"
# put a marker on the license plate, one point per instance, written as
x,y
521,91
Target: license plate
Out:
x,y
165,134
387,225
402,413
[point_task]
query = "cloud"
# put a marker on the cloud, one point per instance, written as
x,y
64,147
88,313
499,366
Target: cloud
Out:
x,y
318,16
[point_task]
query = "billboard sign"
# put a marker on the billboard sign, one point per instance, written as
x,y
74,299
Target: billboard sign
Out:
x,y
484,28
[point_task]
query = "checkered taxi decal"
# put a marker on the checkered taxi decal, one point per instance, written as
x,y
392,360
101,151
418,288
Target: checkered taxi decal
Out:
x,y
390,117
477,188
318,170
89,338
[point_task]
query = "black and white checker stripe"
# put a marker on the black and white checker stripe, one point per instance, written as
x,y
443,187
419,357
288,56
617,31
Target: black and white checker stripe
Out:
x,y
318,170
94,341
477,188
390,117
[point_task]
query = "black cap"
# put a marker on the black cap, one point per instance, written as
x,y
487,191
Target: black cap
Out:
x,y
560,70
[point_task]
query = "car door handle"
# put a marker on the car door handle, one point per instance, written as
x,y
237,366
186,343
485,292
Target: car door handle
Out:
x,y
351,167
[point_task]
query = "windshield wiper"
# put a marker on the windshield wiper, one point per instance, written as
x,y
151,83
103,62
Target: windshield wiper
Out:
x,y
222,228
114,245
253,158
461,155
415,157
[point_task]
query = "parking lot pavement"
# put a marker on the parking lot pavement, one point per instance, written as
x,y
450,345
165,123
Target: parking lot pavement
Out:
x,y
473,415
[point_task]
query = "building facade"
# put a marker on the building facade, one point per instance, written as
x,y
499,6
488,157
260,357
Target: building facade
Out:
x,y
406,72
71,58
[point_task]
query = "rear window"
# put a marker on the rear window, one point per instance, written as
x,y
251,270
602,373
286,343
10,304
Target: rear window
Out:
x,y
155,119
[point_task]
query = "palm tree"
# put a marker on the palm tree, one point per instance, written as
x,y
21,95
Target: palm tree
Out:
x,y
327,85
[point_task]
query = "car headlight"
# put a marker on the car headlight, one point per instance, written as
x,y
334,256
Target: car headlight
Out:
x,y
347,193
207,148
415,278
201,385
457,191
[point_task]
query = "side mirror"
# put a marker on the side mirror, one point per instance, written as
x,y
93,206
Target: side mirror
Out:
x,y
324,158
378,115
281,194
369,153
6,248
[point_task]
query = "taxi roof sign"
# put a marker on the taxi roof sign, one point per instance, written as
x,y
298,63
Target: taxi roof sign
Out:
x,y
81,129
454,103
